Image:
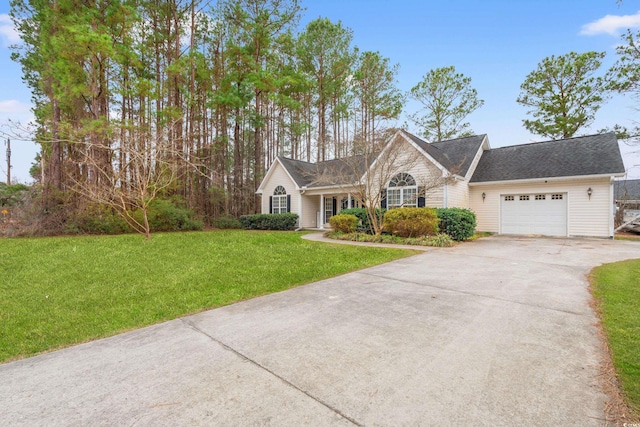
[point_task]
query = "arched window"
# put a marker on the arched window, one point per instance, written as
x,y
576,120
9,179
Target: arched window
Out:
x,y
279,202
402,191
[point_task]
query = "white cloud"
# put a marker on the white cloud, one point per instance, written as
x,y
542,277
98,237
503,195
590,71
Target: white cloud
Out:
x,y
8,32
12,106
611,24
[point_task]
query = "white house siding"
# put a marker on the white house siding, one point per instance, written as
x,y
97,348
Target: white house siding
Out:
x,y
310,208
586,217
423,171
280,177
434,198
458,195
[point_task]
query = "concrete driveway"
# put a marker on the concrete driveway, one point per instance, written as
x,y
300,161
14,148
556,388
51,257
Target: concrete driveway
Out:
x,y
493,332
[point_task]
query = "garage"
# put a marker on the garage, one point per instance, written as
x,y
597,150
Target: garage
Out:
x,y
534,213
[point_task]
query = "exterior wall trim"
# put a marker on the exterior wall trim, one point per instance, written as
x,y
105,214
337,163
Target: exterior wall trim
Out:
x,y
553,179
270,172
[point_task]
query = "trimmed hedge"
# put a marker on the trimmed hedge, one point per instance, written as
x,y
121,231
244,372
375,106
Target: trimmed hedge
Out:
x,y
345,223
411,222
458,223
284,221
364,225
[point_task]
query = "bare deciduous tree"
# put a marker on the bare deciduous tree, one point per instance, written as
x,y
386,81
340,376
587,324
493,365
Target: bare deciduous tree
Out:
x,y
366,175
143,168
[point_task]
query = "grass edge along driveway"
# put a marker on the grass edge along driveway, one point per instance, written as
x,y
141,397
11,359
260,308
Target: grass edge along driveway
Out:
x,y
616,289
60,291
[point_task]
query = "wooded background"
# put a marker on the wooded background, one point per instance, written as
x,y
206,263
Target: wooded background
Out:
x,y
200,96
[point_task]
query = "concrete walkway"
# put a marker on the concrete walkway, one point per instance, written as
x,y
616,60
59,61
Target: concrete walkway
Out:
x,y
492,332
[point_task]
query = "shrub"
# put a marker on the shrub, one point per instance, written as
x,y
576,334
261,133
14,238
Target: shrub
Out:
x,y
364,225
441,240
227,222
164,215
458,223
411,222
96,219
11,195
345,223
284,221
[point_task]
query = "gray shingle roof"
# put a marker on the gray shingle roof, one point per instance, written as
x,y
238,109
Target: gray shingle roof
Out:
x,y
456,155
301,172
586,155
461,152
327,173
627,189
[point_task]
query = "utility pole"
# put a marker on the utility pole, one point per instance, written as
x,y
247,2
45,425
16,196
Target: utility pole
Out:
x,y
8,161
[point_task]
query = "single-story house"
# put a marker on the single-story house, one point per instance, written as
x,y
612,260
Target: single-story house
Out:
x,y
555,188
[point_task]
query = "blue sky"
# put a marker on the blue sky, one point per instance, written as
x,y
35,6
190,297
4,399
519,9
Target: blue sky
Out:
x,y
495,42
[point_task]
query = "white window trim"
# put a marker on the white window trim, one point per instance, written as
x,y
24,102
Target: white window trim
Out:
x,y
404,190
279,201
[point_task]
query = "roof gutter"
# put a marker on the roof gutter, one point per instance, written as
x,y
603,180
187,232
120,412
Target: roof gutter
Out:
x,y
549,179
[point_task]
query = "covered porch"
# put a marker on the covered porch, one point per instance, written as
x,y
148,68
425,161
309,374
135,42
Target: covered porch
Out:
x,y
318,206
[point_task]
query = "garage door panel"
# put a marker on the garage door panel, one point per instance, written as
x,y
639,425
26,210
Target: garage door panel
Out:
x,y
544,214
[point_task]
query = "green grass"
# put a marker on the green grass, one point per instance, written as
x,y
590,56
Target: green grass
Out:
x,y
56,292
480,235
616,288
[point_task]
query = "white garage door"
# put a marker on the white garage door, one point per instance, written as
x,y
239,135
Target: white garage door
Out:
x,y
538,213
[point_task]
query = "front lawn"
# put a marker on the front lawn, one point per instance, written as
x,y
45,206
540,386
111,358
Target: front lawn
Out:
x,y
616,288
55,292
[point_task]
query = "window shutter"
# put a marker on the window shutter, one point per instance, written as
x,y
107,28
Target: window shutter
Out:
x,y
335,205
270,204
421,197
288,202
383,198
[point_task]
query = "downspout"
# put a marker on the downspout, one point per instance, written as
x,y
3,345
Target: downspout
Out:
x,y
612,232
446,196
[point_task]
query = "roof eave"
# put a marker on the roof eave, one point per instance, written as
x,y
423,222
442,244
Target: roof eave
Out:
x,y
436,163
260,189
546,179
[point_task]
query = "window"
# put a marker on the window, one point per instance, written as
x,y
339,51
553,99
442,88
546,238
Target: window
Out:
x,y
279,200
509,198
524,197
402,191
556,197
344,203
540,197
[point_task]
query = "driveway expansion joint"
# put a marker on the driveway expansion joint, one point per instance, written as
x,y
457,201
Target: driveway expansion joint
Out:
x,y
575,313
547,263
246,358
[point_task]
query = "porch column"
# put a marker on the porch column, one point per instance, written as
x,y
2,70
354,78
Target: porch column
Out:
x,y
349,201
321,225
299,210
